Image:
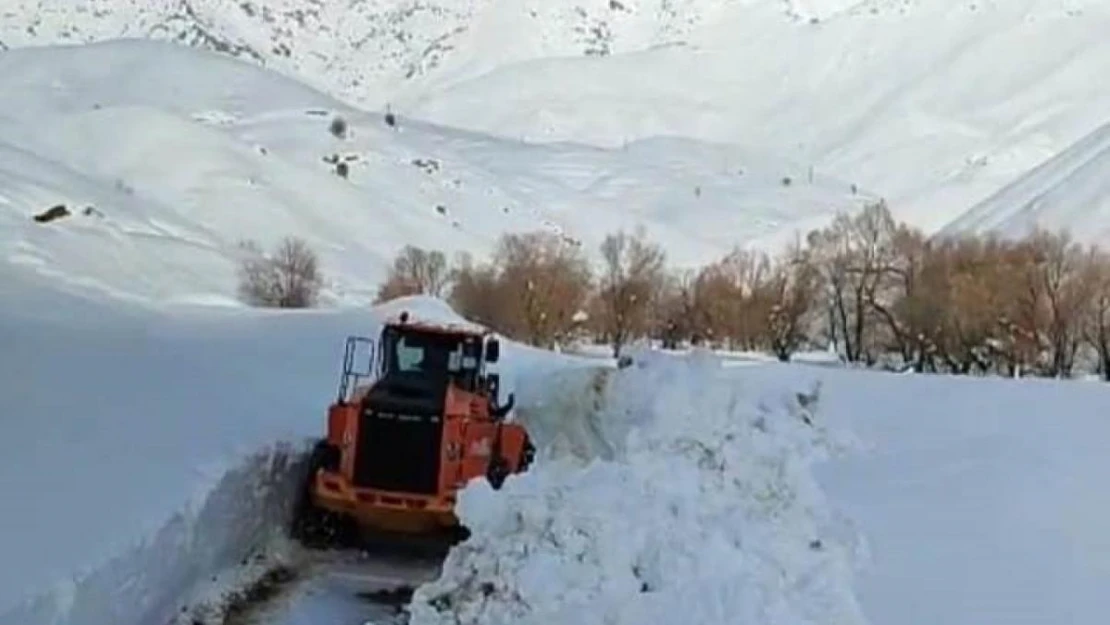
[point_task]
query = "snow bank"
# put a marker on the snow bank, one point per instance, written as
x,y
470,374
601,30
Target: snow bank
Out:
x,y
239,515
982,500
701,510
145,452
959,500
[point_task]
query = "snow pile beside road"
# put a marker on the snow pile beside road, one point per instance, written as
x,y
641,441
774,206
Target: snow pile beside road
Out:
x,y
705,513
146,452
214,534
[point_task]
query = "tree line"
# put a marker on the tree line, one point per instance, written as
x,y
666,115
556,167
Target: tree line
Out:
x,y
540,288
879,291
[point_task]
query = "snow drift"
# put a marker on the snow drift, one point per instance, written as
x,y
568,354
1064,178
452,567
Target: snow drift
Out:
x,y
682,489
145,452
981,500
704,512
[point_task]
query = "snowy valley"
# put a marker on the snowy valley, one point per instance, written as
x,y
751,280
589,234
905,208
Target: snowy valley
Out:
x,y
153,427
933,105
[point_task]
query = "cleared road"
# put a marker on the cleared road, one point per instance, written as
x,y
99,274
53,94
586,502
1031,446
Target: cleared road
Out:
x,y
345,588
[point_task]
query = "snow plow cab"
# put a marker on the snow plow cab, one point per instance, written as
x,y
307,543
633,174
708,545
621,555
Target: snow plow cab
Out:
x,y
410,427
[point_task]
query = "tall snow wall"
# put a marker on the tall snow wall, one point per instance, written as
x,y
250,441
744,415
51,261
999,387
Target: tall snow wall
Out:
x,y
667,492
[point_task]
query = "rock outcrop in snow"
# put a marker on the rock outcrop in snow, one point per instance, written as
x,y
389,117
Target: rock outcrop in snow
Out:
x,y
706,513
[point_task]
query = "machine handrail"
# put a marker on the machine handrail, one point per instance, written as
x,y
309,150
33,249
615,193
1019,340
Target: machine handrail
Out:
x,y
350,376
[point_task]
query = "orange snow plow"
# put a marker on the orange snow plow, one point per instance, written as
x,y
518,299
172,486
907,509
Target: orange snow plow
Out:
x,y
410,427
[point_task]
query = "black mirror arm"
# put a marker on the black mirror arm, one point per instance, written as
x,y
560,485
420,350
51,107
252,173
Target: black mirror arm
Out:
x,y
500,412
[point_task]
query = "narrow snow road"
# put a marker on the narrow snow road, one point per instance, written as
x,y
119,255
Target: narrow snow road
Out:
x,y
345,589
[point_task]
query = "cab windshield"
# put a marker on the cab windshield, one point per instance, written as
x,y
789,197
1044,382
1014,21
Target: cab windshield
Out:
x,y
431,355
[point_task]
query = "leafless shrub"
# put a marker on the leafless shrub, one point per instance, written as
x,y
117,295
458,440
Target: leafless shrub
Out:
x,y
882,291
531,291
289,277
630,287
338,127
416,271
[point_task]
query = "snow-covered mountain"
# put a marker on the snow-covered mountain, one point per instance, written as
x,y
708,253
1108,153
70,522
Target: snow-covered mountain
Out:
x,y
360,48
1070,190
935,105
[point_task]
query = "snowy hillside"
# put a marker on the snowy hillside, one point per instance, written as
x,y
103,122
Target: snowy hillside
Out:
x,y
168,157
934,105
365,49
1069,191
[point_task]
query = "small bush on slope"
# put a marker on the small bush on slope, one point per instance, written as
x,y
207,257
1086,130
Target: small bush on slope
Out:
x,y
707,514
338,128
415,271
288,278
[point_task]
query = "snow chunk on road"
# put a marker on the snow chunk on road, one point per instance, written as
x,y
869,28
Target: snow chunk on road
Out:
x,y
705,512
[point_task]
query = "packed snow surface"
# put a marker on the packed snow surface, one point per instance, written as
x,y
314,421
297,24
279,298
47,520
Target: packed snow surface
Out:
x,y
981,500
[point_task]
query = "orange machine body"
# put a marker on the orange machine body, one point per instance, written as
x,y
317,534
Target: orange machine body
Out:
x,y
463,438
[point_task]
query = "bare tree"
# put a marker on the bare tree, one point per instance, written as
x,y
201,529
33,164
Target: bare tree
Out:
x,y
546,282
977,328
792,289
1053,297
476,293
288,278
914,308
532,291
855,255
1096,318
416,271
741,281
631,281
680,319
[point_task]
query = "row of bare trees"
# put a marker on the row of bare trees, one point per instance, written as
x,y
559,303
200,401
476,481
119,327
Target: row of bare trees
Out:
x,y
963,304
540,288
879,291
